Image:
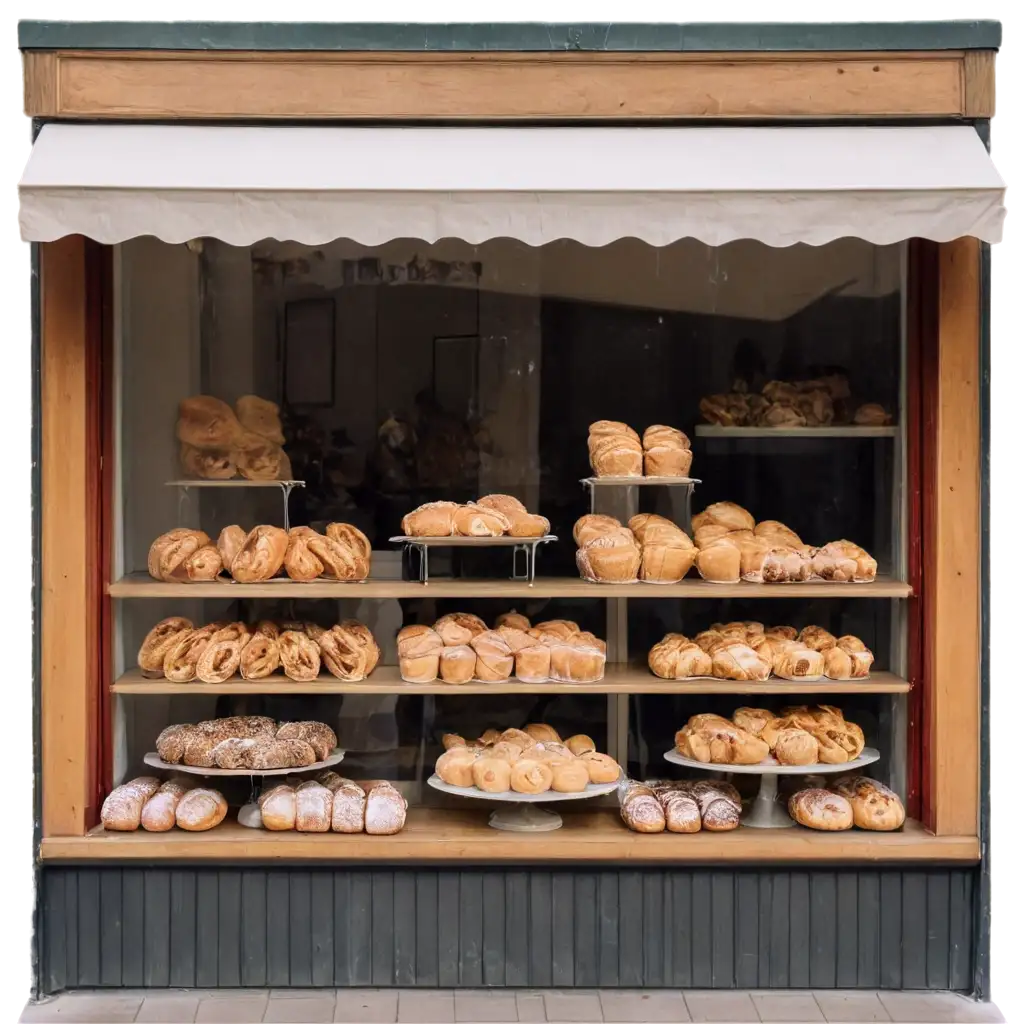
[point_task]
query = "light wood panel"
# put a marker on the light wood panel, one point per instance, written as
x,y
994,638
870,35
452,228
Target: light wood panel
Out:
x,y
66,640
980,83
953,633
493,85
141,585
449,836
617,679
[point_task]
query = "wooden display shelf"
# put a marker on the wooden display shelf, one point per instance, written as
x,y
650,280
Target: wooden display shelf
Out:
x,y
141,585
450,836
617,679
712,430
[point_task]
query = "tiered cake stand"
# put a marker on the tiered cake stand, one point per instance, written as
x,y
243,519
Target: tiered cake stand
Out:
x,y
527,546
765,811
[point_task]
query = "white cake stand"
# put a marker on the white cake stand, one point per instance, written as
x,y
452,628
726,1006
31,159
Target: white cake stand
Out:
x,y
523,814
765,811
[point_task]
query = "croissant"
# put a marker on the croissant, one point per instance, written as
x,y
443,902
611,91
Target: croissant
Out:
x,y
258,416
261,556
299,562
207,422
207,465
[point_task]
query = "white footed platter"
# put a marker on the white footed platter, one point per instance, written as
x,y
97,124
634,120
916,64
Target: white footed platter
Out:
x,y
153,759
765,811
523,815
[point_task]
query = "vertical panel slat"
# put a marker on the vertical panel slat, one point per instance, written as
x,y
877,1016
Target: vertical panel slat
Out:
x,y
848,920
229,928
822,953
540,929
494,928
183,929
471,929
608,929
667,928
700,929
382,967
682,929
764,930
723,899
869,925
748,905
652,927
562,930
71,911
890,927
961,924
321,928
206,930
110,927
405,929
156,912
938,931
254,929
779,929
300,940
89,927
133,896
278,917
915,926
427,916
517,929
55,945
585,930
799,929
343,937
631,929
360,922
447,929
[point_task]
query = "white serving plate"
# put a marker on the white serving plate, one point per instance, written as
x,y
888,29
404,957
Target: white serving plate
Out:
x,y
593,789
154,761
772,767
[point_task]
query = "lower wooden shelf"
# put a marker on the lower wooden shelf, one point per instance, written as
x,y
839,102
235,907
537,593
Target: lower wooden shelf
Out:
x,y
617,679
446,836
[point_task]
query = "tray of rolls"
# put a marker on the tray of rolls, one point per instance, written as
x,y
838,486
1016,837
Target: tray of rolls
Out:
x,y
492,519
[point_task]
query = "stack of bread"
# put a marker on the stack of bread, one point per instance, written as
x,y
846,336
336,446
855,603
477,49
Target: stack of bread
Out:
x,y
796,736
529,760
185,556
159,807
732,546
175,650
852,801
652,549
616,449
494,515
459,648
246,742
330,803
747,652
218,442
658,804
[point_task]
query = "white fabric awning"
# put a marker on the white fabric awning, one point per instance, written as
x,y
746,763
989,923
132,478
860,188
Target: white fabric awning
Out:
x,y
314,184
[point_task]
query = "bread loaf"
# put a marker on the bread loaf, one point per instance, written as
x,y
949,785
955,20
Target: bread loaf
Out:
x,y
419,649
158,812
159,640
313,807
277,808
533,663
494,660
712,739
667,554
615,449
820,809
122,809
348,811
300,656
299,562
875,807
666,452
261,556
458,664
200,809
640,809
719,562
385,810
455,767
600,767
458,628
612,557
319,736
435,519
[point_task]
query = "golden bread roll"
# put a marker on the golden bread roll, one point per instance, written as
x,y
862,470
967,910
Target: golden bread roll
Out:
x,y
719,562
158,812
712,739
219,661
843,551
600,767
581,744
457,664
476,521
277,808
875,807
300,656
533,664
299,562
513,620
452,739
518,736
820,809
459,628
592,526
229,543
320,736
797,662
313,805
569,776
419,650
181,660
494,659
736,660
615,455
551,752
258,416
666,553
724,513
207,465
795,746
455,767
348,811
200,810
435,519
816,638
526,524
675,657
159,640
261,556
207,422
344,654
263,462
613,557
169,553
666,452
492,774
503,503
542,733
530,776
579,660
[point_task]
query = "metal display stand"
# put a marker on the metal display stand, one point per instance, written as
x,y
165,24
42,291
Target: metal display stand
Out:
x,y
523,814
527,546
286,487
765,811
624,501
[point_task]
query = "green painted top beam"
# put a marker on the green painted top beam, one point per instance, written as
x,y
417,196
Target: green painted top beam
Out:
x,y
620,38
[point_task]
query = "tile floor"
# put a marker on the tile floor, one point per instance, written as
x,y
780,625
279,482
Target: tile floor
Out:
x,y
476,1006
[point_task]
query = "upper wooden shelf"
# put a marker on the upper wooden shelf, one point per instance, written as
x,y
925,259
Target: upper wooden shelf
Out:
x,y
141,585
712,430
617,679
450,836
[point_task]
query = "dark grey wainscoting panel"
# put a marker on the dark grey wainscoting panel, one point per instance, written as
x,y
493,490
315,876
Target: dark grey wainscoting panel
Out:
x,y
681,928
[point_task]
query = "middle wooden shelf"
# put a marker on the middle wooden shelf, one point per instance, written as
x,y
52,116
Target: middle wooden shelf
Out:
x,y
617,679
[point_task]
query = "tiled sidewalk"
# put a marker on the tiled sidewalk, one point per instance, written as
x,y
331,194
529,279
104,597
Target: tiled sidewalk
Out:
x,y
425,1006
